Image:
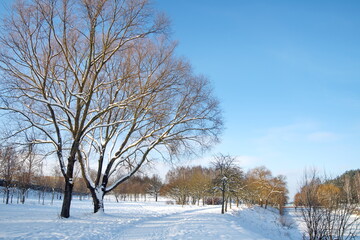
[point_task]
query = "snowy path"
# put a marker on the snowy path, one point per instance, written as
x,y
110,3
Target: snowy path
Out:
x,y
190,224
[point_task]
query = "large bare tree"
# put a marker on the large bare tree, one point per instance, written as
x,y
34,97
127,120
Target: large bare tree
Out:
x,y
100,83
166,111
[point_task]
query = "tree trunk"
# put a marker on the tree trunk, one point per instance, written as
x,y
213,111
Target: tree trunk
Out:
x,y
226,204
65,211
43,197
7,195
69,184
223,202
52,196
156,197
98,205
281,209
23,193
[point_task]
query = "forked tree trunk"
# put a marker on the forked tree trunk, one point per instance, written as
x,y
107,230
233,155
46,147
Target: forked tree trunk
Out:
x,y
97,195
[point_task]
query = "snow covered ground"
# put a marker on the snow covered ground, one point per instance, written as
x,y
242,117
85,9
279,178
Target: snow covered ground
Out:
x,y
141,220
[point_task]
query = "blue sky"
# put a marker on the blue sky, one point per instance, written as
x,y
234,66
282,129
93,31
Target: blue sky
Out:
x,y
288,77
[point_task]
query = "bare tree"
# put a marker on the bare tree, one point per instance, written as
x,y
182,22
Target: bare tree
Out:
x,y
173,112
189,184
56,60
200,184
266,188
327,215
311,211
29,166
177,185
154,187
347,188
227,172
8,168
56,184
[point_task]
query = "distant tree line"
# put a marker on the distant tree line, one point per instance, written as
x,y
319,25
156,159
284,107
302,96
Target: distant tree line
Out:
x,y
225,183
344,188
349,183
21,170
138,188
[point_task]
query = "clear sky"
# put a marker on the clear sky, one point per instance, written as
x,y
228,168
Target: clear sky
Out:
x,y
288,77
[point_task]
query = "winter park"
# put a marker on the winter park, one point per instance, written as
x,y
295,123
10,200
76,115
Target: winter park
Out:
x,y
139,119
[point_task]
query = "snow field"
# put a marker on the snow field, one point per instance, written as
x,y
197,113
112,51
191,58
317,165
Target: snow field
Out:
x,y
141,221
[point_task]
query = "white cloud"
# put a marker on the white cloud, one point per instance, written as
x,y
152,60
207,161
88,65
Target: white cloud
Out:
x,y
295,133
287,133
248,161
322,137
